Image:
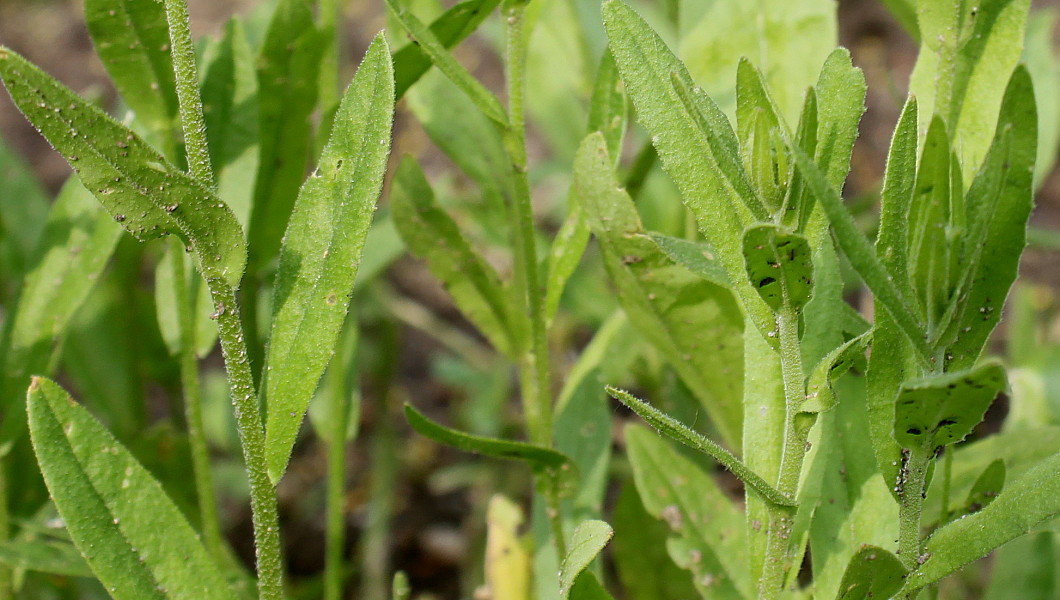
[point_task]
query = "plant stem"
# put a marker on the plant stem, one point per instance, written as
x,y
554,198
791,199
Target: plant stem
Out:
x,y
535,379
5,532
912,479
338,397
252,438
189,101
375,553
189,380
780,518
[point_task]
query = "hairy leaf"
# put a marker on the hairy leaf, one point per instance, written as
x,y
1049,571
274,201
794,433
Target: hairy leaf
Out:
x,y
872,573
135,540
322,249
779,266
143,192
588,539
943,409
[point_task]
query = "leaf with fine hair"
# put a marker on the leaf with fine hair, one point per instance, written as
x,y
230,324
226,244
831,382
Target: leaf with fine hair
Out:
x,y
432,235
871,573
322,249
141,190
707,530
587,541
483,99
133,537
450,28
680,432
779,266
943,409
132,41
697,257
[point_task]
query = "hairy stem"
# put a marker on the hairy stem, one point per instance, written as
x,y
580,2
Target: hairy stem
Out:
x,y
189,380
780,518
252,438
535,379
911,482
189,101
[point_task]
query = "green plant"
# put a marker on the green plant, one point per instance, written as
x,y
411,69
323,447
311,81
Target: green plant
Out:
x,y
732,257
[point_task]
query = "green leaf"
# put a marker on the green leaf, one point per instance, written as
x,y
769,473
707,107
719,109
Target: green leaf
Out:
x,y
23,210
872,573
588,539
77,242
707,529
998,204
840,99
536,456
143,192
432,234
820,396
640,547
860,253
899,181
609,105
943,409
779,266
680,432
966,50
1029,500
57,558
322,249
986,488
697,257
483,99
288,67
455,24
674,309
135,540
1043,63
167,306
1027,564
132,41
588,587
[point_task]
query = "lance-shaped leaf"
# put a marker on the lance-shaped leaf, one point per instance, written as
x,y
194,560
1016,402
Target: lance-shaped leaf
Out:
x,y
942,410
861,254
57,558
1031,499
708,531
694,323
288,65
898,182
483,99
432,235
987,487
588,539
322,249
640,547
450,28
697,257
535,456
131,534
680,432
143,192
998,204
819,393
871,573
132,41
779,266
77,242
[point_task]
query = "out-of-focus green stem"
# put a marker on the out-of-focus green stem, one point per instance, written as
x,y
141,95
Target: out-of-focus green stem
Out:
x,y
189,379
534,375
338,395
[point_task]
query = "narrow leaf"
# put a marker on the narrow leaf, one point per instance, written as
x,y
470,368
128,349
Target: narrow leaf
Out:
x,y
535,456
898,182
588,539
57,558
680,432
943,409
439,55
697,257
132,41
987,487
135,540
455,24
322,249
819,393
1029,500
143,192
860,253
872,573
432,234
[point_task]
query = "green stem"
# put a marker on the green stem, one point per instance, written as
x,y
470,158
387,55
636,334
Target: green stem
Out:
x,y
252,438
911,482
189,379
189,101
535,379
338,397
794,451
